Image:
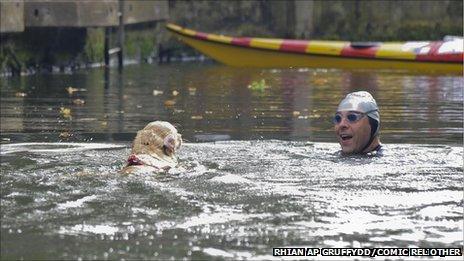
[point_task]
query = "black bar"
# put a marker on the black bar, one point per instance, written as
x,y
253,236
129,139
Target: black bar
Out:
x,y
106,47
121,34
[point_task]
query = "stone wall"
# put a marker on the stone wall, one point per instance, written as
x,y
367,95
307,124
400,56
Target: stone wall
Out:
x,y
352,20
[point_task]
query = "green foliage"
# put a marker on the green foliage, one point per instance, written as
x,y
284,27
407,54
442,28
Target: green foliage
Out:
x,y
140,42
94,45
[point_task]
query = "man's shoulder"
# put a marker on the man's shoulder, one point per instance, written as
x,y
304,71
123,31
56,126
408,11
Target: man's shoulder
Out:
x,y
377,151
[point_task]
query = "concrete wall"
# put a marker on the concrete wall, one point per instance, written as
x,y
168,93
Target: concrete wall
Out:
x,y
75,13
137,11
356,20
11,16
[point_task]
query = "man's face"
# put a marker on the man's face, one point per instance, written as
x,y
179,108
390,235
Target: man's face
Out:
x,y
352,136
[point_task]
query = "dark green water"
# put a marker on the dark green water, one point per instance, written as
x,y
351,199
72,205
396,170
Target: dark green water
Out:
x,y
216,100
271,178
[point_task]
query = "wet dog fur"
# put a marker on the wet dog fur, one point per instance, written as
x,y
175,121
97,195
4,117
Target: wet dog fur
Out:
x,y
154,149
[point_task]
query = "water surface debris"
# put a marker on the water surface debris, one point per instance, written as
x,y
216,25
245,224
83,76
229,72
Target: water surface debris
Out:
x,y
72,90
196,117
175,93
65,112
78,102
320,81
258,85
192,90
169,103
20,94
65,135
157,92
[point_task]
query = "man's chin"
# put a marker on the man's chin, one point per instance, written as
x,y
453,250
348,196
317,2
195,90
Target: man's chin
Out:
x,y
347,150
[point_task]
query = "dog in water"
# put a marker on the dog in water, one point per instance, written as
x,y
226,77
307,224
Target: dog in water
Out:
x,y
154,149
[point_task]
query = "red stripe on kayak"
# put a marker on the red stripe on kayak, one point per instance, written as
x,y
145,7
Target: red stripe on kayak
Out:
x,y
445,57
298,46
242,41
368,52
200,35
433,55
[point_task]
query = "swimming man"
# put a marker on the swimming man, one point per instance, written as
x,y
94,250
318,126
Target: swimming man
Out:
x,y
357,124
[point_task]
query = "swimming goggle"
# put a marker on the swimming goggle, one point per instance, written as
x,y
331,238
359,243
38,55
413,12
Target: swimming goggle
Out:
x,y
352,117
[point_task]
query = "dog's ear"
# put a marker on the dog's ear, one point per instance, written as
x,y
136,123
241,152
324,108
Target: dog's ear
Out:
x,y
169,144
145,137
140,142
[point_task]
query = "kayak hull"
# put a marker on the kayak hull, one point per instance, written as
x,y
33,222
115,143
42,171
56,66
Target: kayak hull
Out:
x,y
221,49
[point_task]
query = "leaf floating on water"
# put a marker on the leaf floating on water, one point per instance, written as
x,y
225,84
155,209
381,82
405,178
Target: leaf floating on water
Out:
x,y
20,94
178,111
87,119
192,91
196,117
104,123
175,93
157,92
169,103
296,113
72,90
78,102
312,116
65,112
208,112
258,85
320,81
65,135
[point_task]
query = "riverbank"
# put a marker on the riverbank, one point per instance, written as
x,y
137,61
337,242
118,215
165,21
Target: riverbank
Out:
x,y
65,49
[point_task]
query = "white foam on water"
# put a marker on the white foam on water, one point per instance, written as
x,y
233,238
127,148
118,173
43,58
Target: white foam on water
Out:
x,y
76,203
46,147
221,216
94,229
217,252
231,179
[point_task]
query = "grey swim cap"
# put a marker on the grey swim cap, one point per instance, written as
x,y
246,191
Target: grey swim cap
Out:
x,y
361,101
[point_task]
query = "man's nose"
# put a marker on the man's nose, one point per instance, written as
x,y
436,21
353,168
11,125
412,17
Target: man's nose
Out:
x,y
343,123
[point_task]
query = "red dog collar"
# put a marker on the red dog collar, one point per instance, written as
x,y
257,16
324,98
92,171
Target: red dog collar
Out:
x,y
133,160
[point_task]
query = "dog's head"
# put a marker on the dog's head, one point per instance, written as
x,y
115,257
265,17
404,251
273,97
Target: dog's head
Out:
x,y
158,139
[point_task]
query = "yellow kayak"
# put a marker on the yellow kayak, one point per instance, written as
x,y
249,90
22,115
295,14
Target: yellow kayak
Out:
x,y
438,56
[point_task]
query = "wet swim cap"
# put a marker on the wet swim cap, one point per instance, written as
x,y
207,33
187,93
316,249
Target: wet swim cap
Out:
x,y
361,101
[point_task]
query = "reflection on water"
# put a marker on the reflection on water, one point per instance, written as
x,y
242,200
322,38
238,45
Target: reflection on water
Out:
x,y
270,175
235,199
214,100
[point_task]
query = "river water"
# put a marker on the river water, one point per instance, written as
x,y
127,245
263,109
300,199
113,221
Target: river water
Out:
x,y
260,167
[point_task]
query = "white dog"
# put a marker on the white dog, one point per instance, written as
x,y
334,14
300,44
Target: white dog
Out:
x,y
153,149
